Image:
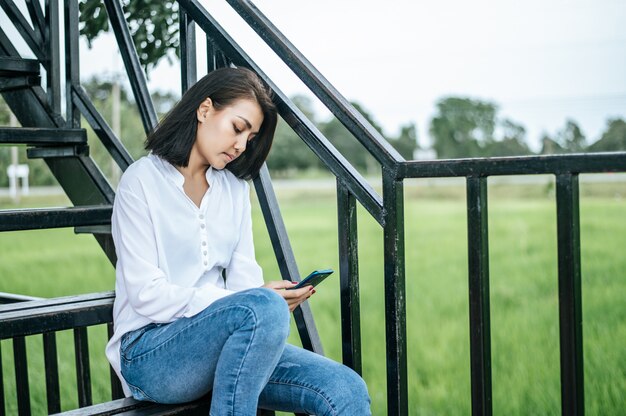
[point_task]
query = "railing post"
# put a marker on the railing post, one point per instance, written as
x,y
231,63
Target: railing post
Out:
x,y
21,375
478,262
395,294
570,297
83,371
135,73
53,55
188,69
215,57
72,66
53,394
349,278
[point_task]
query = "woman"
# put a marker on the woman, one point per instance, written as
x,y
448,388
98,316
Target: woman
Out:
x,y
191,313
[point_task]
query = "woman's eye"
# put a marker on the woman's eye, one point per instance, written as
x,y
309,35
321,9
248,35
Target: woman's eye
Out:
x,y
237,130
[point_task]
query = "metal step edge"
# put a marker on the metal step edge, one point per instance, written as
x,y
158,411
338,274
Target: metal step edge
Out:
x,y
44,218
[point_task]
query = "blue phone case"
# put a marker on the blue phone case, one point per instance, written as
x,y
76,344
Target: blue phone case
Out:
x,y
315,278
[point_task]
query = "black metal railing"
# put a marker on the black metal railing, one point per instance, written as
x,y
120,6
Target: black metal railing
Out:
x,y
387,210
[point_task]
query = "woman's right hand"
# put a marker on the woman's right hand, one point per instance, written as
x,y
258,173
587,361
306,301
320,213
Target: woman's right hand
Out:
x,y
293,297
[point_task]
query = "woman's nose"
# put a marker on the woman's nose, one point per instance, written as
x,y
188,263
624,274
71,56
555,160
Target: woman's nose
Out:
x,y
240,144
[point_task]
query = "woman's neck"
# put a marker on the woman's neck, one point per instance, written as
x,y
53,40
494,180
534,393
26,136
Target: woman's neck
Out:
x,y
195,185
195,169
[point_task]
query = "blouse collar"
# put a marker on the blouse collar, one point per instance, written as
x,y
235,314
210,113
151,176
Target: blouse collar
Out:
x,y
174,174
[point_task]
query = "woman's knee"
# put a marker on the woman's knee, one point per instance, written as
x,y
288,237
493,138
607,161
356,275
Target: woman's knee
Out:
x,y
349,393
269,309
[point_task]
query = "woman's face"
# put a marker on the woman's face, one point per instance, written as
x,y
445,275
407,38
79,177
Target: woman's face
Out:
x,y
222,135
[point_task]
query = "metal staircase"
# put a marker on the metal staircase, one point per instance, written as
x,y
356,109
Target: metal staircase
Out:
x,y
57,138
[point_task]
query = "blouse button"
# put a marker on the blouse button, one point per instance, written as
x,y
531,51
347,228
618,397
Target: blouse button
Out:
x,y
202,225
204,252
201,217
204,243
206,263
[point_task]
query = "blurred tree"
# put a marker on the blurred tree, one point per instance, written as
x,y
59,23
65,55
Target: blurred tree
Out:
x,y
550,146
289,151
153,25
406,142
512,142
613,139
571,138
347,144
164,101
99,88
462,126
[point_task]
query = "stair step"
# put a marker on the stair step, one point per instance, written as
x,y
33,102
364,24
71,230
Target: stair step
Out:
x,y
57,151
16,73
16,83
93,229
17,67
42,136
40,218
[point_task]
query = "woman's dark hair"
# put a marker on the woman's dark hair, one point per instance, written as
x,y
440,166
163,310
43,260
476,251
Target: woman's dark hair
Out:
x,y
175,135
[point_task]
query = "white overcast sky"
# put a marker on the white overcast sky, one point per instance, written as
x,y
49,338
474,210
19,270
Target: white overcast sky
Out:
x,y
541,61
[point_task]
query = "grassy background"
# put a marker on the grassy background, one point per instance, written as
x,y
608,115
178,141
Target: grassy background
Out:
x,y
524,302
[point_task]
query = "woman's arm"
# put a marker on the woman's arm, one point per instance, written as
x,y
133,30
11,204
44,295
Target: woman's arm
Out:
x,y
148,289
244,272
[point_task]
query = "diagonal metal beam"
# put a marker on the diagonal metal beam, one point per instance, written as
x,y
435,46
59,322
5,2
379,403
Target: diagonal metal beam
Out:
x,y
135,73
285,257
32,38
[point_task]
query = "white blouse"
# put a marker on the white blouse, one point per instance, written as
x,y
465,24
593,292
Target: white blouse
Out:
x,y
170,253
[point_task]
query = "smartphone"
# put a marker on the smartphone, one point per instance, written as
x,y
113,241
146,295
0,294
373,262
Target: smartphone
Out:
x,y
313,279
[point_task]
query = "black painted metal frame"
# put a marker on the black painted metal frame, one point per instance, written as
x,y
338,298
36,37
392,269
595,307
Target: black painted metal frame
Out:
x,y
44,41
39,108
565,167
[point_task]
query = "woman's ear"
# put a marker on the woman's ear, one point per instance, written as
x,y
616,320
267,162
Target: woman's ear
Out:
x,y
203,109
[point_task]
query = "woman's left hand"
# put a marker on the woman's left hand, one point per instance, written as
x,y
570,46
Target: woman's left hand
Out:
x,y
293,297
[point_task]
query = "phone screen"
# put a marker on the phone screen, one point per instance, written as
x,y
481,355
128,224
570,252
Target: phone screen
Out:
x,y
313,279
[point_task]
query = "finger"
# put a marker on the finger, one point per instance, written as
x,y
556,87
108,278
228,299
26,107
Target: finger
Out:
x,y
296,300
286,284
294,303
279,284
296,293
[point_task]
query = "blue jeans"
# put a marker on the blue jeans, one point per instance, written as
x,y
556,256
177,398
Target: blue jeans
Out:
x,y
236,349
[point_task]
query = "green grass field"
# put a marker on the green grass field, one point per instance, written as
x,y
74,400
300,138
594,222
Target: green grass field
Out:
x,y
524,302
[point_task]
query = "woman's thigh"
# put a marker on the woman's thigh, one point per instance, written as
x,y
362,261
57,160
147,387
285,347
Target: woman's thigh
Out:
x,y
306,382
176,362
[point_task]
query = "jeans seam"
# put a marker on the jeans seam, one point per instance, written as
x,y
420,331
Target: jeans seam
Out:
x,y
319,393
142,392
194,324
